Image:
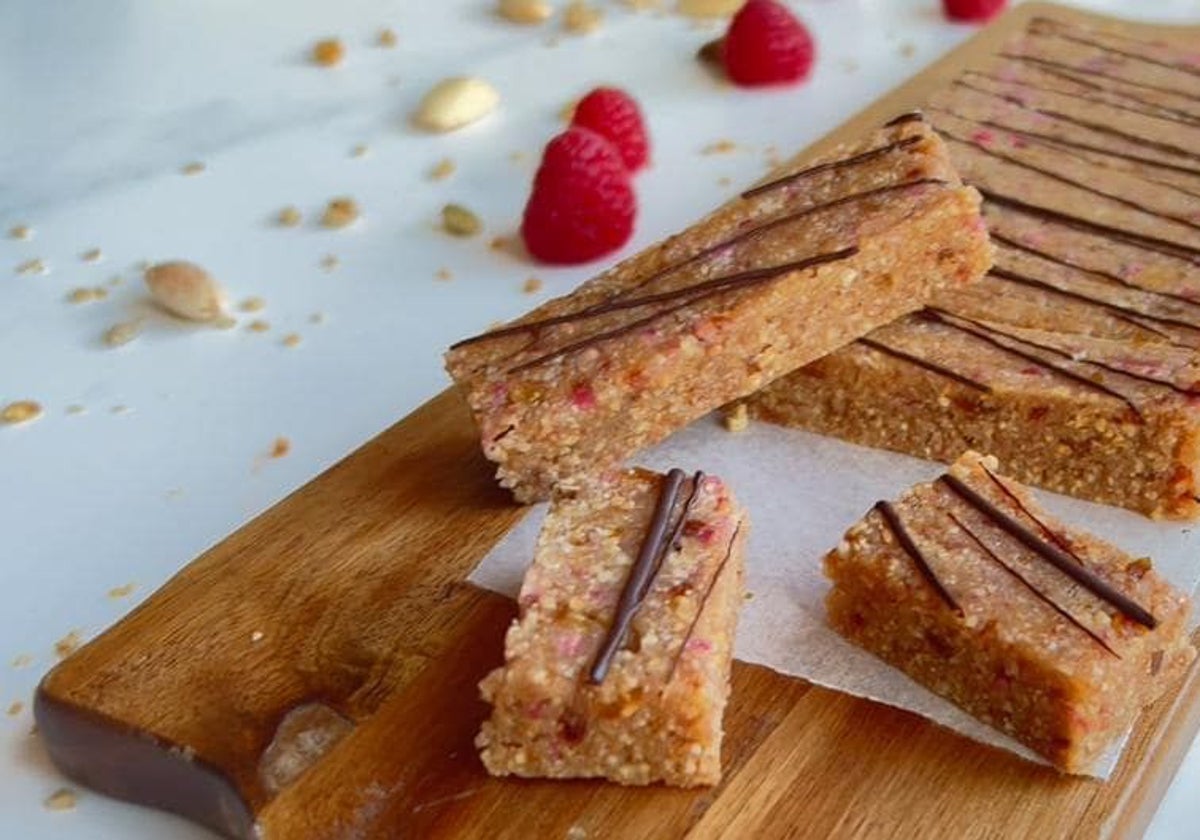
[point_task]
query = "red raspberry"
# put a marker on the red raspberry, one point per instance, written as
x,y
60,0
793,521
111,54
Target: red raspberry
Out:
x,y
614,114
767,45
582,205
973,11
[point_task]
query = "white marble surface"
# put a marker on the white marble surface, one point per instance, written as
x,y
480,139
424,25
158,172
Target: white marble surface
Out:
x,y
100,106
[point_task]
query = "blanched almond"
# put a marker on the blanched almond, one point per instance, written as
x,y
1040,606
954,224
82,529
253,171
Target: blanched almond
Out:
x,y
455,102
185,289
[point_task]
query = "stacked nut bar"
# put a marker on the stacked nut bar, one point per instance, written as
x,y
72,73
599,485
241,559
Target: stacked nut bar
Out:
x,y
1044,632
618,666
791,270
1077,360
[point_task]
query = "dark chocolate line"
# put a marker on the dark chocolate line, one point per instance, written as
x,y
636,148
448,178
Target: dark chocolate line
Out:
x,y
641,574
712,584
1047,26
677,534
1039,594
924,364
1081,574
980,332
1070,68
700,291
910,548
909,117
1128,237
862,157
1071,182
1054,536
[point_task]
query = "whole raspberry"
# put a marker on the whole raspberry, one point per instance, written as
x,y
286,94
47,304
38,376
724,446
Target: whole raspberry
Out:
x,y
614,114
582,205
973,11
767,45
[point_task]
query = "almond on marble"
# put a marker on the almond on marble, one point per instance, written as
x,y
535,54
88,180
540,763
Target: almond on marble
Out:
x,y
456,102
186,290
525,11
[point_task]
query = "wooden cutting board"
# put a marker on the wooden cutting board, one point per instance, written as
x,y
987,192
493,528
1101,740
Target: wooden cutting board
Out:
x,y
338,624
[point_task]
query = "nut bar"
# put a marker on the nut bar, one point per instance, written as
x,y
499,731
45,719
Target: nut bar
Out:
x,y
1041,631
618,664
1076,361
787,272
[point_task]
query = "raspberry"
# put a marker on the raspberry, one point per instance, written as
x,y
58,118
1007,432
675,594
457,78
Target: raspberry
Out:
x,y
582,205
614,114
767,45
973,10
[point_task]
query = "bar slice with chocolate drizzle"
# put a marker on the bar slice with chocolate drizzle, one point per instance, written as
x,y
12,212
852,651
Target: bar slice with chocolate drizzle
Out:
x,y
618,664
818,255
1040,630
1076,360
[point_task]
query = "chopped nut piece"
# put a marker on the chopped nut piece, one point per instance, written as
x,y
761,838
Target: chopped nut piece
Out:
x,y
119,409
330,262
92,255
61,800
525,11
737,418
258,326
340,212
361,150
518,157
193,168
456,102
76,409
121,591
387,38
328,52
459,221
290,216
257,636
186,290
443,274
34,266
531,285
499,243
252,304
280,447
710,53
582,18
721,147
21,411
20,232
708,8
23,660
443,169
87,295
68,644
15,708
291,340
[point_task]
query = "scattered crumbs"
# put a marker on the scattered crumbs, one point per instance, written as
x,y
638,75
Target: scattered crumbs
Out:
x,y
257,636
737,418
581,17
316,318
61,800
908,49
282,446
92,255
21,411
87,294
194,168
225,322
443,274
721,147
258,325
15,708
340,212
290,216
68,644
23,660
122,591
568,111
576,832
359,151
442,170
252,304
460,221
119,409
387,38
532,285
123,333
330,262
34,266
291,340
20,232
76,408
850,65
328,52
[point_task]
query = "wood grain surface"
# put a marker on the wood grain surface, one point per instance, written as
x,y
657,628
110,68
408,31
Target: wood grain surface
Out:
x,y
314,675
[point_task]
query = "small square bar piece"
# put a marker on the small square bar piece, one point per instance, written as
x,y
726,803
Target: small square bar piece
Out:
x,y
1041,631
792,269
618,665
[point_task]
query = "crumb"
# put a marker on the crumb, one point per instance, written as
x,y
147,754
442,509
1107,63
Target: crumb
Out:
x,y
442,170
15,708
76,409
194,168
61,800
703,9
724,181
328,52
532,285
291,340
34,266
330,262
749,596
386,38
21,411
316,318
443,274
68,644
84,294
499,243
582,18
736,419
23,660
281,446
721,147
258,326
92,255
517,157
340,212
290,216
576,832
123,333
525,11
121,591
568,111
710,54
908,49
119,409
20,232
257,636
225,322
359,151
460,221
252,304
116,280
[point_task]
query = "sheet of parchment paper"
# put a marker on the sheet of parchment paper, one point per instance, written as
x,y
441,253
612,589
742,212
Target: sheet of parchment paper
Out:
x,y
802,491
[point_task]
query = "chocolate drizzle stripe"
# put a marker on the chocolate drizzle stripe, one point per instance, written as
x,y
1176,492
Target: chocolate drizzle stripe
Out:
x,y
1052,554
641,574
1063,179
909,117
905,539
1128,237
924,364
1039,594
694,294
1046,530
977,330
1082,71
862,157
1046,26
677,534
712,584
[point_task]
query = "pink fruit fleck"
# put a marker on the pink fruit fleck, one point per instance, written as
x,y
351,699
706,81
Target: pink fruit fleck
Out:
x,y
983,137
583,397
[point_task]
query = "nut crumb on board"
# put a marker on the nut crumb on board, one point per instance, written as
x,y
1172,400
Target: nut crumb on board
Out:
x,y
257,636
34,266
62,799
532,285
23,660
194,168
280,447
340,212
524,11
119,409
442,170
736,419
458,220
387,38
258,325
724,181
291,340
85,294
720,147
15,708
330,262
708,8
455,102
20,232
68,644
582,18
185,290
360,150
76,408
92,255
443,274
328,52
252,304
290,216
122,591
20,411
122,333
